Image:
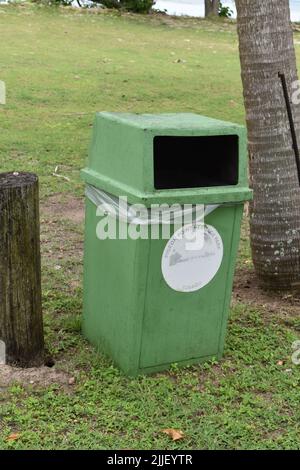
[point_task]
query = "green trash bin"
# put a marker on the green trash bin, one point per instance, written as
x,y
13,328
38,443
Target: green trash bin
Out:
x,y
151,302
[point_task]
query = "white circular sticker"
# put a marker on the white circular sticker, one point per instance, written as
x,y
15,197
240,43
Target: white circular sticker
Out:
x,y
192,257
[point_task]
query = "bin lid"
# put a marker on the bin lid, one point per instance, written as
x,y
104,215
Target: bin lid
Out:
x,y
121,157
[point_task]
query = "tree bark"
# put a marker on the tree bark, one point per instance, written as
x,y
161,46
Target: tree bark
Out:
x,y
21,325
212,7
266,49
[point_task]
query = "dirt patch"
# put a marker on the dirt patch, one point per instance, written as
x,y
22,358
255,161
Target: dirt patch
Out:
x,y
61,206
62,223
36,376
62,218
247,290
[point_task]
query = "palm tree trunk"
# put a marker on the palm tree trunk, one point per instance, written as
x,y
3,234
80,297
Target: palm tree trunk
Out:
x,y
266,49
212,7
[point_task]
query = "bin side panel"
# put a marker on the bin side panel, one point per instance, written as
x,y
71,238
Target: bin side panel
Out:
x,y
112,295
231,268
182,326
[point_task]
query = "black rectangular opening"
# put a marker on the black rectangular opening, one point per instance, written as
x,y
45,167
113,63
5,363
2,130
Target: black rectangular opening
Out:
x,y
195,162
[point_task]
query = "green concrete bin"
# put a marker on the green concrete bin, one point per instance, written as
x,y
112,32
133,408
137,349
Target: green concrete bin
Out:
x,y
147,302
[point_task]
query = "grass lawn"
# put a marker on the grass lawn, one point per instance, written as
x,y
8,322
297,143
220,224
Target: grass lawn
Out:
x,y
60,67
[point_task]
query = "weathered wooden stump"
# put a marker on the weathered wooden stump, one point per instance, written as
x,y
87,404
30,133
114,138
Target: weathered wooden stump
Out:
x,y
21,324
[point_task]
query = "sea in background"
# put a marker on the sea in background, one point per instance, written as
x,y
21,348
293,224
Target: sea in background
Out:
x,y
196,7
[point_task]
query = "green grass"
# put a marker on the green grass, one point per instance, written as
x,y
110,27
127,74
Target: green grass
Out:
x,y
60,67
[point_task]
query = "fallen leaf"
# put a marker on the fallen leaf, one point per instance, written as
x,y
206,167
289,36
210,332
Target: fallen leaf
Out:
x,y
175,434
14,436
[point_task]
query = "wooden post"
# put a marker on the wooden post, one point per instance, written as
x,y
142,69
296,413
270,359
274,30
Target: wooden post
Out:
x,y
21,324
